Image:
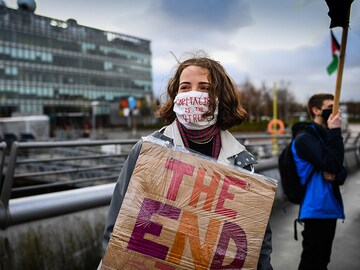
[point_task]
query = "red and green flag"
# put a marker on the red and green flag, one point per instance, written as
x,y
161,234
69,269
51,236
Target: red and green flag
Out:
x,y
335,50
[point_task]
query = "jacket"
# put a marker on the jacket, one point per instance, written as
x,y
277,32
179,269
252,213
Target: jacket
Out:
x,y
317,150
229,154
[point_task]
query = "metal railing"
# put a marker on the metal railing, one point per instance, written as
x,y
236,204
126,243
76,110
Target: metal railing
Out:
x,y
19,210
51,164
3,147
43,167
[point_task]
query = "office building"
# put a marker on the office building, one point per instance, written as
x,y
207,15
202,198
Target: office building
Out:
x,y
68,71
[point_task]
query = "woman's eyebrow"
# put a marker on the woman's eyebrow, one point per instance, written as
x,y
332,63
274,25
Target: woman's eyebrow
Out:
x,y
207,83
184,83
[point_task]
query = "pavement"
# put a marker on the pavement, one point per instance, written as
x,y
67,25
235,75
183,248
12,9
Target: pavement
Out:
x,y
346,246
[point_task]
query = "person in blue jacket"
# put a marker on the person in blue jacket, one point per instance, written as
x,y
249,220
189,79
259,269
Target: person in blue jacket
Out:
x,y
319,156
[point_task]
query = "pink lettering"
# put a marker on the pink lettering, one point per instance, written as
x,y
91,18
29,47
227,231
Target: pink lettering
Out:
x,y
179,170
144,225
235,232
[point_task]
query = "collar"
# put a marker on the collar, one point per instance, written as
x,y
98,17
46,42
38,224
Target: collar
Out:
x,y
230,147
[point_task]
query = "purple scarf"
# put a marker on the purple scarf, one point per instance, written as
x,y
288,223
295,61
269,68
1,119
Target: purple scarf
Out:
x,y
204,134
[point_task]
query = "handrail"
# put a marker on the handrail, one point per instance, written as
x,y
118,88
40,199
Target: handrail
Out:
x,y
260,140
64,202
59,203
79,181
47,144
18,146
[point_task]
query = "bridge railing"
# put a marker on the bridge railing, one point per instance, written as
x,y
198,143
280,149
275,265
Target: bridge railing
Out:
x,y
40,165
96,191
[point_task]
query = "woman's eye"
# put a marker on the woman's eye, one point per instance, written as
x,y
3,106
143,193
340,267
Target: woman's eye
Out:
x,y
204,88
184,88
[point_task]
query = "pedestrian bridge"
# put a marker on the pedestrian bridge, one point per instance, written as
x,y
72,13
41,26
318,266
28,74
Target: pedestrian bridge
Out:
x,y
54,196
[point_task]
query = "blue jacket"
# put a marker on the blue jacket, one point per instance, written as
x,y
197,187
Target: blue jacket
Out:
x,y
320,150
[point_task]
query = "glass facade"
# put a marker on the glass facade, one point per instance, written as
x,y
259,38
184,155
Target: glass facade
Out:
x,y
49,66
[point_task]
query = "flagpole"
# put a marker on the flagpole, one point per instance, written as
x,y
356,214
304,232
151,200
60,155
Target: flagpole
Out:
x,y
275,117
341,65
340,70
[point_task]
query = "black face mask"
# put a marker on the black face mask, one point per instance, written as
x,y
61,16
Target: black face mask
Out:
x,y
325,114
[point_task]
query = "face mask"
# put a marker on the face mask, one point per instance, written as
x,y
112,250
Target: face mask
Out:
x,y
325,114
190,107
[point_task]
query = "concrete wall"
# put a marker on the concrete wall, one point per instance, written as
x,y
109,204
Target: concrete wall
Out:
x,y
66,242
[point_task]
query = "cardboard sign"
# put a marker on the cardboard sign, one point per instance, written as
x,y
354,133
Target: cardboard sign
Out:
x,y
182,211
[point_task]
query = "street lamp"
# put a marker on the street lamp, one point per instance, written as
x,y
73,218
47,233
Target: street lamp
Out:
x,y
93,119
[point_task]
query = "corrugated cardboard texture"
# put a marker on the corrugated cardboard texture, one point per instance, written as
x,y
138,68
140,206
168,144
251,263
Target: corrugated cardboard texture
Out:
x,y
185,212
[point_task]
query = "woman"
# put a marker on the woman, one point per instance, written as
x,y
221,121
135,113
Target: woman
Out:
x,y
202,104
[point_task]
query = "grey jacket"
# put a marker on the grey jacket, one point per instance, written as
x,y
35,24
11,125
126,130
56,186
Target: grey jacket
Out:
x,y
241,158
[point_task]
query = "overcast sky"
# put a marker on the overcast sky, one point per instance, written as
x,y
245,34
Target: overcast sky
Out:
x,y
260,40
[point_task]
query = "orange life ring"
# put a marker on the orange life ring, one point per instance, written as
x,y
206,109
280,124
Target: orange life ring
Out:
x,y
280,127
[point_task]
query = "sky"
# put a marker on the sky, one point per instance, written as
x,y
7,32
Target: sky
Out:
x,y
265,42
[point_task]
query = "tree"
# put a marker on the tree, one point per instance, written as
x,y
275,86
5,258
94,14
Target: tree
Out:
x,y
353,110
259,102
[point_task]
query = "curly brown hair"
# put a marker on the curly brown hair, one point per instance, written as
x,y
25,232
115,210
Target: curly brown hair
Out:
x,y
222,88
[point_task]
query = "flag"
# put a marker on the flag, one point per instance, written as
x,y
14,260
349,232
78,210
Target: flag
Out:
x,y
335,50
335,46
339,11
333,65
